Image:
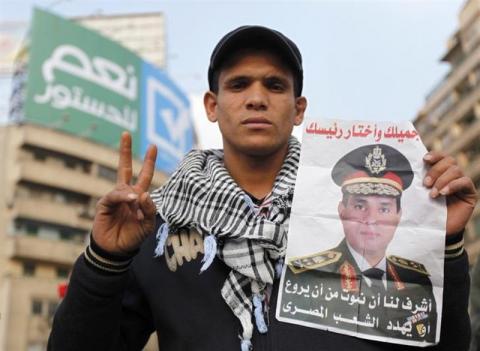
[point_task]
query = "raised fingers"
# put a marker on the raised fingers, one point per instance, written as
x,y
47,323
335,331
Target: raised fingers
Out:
x,y
124,171
148,169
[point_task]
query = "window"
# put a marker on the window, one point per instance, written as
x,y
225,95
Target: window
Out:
x,y
65,234
468,120
107,173
62,273
441,109
48,232
39,155
59,197
28,269
69,164
86,167
37,307
28,190
58,158
31,229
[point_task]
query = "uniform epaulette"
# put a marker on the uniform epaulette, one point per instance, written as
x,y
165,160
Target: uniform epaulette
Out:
x,y
313,261
408,264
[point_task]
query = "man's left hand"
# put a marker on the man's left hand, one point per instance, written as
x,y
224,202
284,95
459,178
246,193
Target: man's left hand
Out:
x,y
446,178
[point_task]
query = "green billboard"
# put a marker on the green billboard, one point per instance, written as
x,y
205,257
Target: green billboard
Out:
x,y
81,82
85,84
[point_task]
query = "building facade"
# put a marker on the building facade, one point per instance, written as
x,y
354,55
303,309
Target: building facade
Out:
x,y
51,182
143,33
450,119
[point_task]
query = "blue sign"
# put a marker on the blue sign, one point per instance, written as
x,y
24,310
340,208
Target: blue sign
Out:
x,y
165,116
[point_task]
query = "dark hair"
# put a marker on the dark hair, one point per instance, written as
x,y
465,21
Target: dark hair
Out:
x,y
398,199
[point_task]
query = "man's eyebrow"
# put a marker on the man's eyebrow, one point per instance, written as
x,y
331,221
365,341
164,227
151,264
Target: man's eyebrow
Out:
x,y
238,79
275,77
361,199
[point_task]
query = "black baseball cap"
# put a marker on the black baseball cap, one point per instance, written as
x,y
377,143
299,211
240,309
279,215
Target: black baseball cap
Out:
x,y
258,37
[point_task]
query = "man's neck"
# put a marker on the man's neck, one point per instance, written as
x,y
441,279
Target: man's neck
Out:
x,y
255,174
360,257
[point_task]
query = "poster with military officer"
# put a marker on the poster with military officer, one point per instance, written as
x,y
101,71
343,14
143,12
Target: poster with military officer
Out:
x,y
357,262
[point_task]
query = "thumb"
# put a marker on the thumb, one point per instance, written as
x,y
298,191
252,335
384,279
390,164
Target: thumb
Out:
x,y
147,206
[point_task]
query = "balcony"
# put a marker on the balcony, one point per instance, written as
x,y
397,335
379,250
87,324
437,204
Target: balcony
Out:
x,y
65,178
470,135
457,112
44,250
52,212
452,80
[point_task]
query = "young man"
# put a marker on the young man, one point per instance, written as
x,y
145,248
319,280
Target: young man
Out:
x,y
233,207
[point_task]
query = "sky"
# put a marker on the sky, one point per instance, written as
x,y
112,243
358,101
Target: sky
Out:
x,y
363,59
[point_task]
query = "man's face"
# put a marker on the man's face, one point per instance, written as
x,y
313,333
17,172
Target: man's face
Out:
x,y
369,222
255,105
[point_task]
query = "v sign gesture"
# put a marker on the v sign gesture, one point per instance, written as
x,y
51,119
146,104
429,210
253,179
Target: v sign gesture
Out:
x,y
126,215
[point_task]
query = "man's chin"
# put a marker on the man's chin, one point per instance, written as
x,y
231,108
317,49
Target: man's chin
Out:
x,y
373,251
262,147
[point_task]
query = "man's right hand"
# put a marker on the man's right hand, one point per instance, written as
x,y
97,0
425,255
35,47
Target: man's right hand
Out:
x,y
126,215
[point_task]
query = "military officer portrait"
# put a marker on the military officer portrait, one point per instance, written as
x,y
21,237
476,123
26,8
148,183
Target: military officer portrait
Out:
x,y
356,286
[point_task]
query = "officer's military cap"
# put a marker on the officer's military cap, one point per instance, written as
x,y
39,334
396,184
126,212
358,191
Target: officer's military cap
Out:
x,y
376,169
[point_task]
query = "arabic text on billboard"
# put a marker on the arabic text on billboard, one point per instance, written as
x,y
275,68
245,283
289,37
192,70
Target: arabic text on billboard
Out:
x,y
85,84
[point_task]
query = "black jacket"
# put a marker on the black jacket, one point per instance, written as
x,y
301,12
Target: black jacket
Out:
x,y
103,311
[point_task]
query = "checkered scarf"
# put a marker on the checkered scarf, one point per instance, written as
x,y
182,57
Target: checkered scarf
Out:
x,y
201,194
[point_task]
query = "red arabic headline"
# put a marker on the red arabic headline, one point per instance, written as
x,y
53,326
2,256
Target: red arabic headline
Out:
x,y
362,131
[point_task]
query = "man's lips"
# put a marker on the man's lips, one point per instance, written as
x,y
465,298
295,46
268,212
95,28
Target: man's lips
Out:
x,y
256,122
368,233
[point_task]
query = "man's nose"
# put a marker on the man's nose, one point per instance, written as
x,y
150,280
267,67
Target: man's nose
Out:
x,y
257,98
370,217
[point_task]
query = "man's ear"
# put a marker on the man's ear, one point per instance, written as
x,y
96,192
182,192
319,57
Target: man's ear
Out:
x,y
300,107
210,104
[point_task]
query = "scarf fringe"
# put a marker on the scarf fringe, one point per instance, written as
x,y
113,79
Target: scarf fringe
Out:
x,y
246,345
247,326
161,237
278,268
210,251
258,313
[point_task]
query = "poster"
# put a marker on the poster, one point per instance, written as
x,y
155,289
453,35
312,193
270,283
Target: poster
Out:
x,y
366,242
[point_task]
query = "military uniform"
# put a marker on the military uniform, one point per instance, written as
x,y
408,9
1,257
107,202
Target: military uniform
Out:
x,y
329,289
